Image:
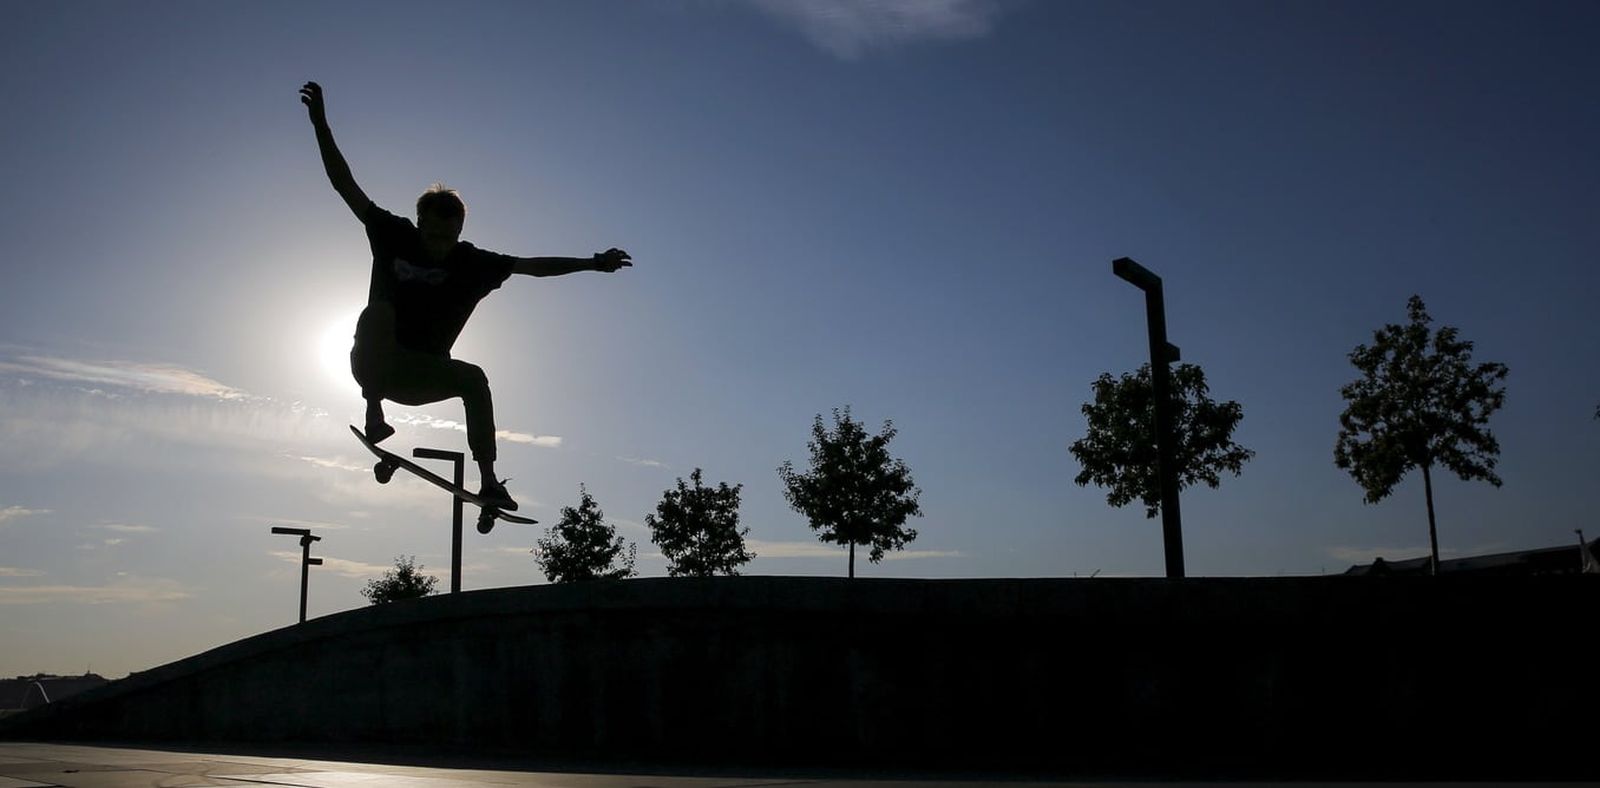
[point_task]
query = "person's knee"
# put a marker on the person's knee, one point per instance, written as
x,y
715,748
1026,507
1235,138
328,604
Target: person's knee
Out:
x,y
376,321
473,377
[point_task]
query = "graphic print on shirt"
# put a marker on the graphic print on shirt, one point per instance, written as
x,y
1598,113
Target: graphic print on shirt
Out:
x,y
405,271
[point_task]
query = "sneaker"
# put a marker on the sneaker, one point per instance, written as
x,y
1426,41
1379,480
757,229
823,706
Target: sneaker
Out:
x,y
494,495
377,431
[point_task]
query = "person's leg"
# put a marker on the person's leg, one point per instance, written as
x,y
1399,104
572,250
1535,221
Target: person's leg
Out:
x,y
372,362
419,379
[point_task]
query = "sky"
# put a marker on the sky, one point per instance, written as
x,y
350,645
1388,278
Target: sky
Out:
x,y
907,208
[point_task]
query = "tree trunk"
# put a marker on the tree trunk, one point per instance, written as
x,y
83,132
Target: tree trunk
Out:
x,y
852,559
1433,531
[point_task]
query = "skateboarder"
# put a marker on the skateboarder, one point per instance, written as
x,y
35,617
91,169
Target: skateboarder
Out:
x,y
425,283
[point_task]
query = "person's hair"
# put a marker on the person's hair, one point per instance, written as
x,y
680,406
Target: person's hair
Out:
x,y
441,200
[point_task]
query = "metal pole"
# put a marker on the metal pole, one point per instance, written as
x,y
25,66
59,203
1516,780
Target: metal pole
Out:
x,y
306,561
456,508
1162,353
305,573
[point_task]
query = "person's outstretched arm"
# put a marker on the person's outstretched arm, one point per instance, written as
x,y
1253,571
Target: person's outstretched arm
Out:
x,y
332,160
608,261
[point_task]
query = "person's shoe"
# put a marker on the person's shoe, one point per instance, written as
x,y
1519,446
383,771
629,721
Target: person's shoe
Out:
x,y
377,431
494,495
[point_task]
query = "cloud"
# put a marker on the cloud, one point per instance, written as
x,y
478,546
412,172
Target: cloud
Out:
x,y
18,512
315,525
913,555
338,463
128,529
646,463
45,424
128,590
338,566
424,420
849,28
507,550
542,441
154,378
793,549
11,571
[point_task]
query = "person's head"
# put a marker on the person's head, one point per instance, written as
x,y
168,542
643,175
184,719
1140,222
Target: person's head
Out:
x,y
440,215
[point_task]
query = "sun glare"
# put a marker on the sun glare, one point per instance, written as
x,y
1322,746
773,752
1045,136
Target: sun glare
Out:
x,y
333,350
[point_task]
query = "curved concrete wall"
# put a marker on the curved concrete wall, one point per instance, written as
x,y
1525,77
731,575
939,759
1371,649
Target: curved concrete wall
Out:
x,y
1335,677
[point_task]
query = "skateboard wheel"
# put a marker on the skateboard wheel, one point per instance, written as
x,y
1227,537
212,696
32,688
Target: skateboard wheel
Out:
x,y
485,523
384,471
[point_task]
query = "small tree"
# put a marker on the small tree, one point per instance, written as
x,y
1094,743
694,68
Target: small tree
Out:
x,y
697,529
405,581
1119,451
855,493
1419,402
583,546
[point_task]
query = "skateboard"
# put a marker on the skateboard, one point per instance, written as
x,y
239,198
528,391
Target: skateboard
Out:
x,y
389,462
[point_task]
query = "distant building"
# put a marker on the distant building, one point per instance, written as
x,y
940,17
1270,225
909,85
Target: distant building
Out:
x,y
28,692
1568,560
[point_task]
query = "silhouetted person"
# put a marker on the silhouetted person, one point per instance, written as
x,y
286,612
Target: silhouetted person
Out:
x,y
425,283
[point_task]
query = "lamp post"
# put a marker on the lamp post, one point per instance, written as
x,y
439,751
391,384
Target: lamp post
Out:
x,y
306,561
1162,353
455,522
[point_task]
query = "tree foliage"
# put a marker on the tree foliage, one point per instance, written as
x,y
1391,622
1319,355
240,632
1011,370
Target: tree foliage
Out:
x,y
697,529
1119,450
1420,402
405,581
583,546
855,492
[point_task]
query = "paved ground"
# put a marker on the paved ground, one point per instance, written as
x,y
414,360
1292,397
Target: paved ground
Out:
x,y
36,765
30,765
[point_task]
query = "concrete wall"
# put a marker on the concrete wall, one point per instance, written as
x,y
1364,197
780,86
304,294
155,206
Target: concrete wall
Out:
x,y
1449,677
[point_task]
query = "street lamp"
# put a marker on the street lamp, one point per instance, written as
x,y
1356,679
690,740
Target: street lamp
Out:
x,y
306,561
455,523
1162,353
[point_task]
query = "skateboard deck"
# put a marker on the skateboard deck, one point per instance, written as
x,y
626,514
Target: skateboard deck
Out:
x,y
388,462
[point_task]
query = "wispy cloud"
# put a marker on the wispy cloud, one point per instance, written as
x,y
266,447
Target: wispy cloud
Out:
x,y
315,525
18,512
793,549
644,462
11,571
915,555
337,463
542,441
128,529
424,420
48,421
339,566
127,590
154,378
850,28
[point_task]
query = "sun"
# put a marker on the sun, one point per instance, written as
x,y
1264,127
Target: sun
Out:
x,y
333,350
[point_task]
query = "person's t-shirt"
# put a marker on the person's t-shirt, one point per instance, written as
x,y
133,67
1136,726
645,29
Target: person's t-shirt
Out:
x,y
432,300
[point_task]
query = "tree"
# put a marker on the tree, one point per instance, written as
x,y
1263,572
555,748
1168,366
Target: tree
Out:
x,y
1119,450
405,581
583,546
855,493
698,529
1419,402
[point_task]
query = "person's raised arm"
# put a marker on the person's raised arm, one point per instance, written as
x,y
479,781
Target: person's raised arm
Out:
x,y
608,261
332,160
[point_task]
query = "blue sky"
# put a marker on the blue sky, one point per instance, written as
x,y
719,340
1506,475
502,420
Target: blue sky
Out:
x,y
908,208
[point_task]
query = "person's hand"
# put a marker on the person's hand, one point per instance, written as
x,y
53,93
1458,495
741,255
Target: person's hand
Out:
x,y
311,96
611,259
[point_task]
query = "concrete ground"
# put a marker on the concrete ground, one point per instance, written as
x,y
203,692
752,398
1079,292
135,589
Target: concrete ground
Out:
x,y
31,765
43,765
